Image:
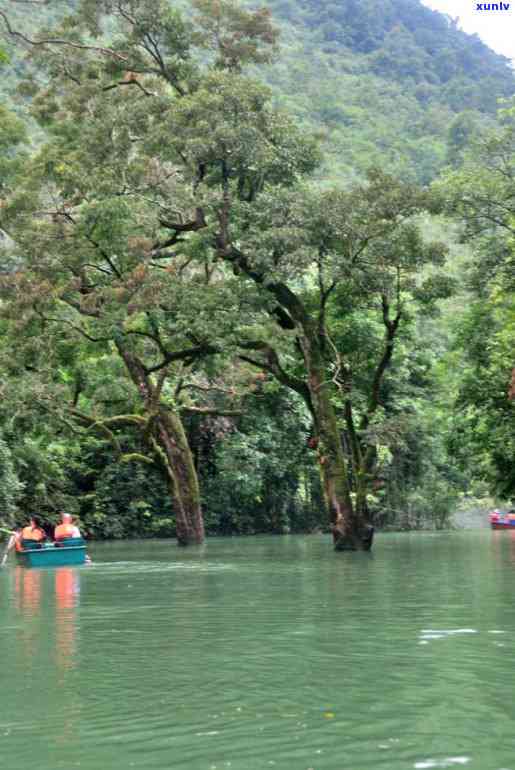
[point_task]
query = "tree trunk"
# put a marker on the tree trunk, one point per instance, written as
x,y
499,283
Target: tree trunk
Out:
x,y
183,478
364,456
362,459
350,530
167,436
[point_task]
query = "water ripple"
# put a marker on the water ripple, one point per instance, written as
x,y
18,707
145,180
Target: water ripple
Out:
x,y
265,652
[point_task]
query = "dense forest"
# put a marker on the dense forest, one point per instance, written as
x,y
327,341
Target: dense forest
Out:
x,y
257,267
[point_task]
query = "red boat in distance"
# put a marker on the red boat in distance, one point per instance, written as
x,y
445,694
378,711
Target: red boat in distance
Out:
x,y
502,519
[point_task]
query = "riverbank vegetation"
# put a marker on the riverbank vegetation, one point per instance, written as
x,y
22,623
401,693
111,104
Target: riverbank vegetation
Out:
x,y
231,305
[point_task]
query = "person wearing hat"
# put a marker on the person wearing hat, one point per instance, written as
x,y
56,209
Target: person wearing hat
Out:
x,y
66,529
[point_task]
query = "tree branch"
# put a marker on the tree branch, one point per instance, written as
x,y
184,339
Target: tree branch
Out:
x,y
391,331
133,82
60,41
273,365
210,410
76,328
187,354
136,457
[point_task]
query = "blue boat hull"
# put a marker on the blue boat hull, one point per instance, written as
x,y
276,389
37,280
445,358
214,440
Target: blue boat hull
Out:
x,y
52,557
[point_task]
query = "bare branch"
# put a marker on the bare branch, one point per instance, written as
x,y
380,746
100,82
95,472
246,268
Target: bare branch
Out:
x,y
210,389
76,328
134,82
273,365
209,410
187,354
60,41
391,326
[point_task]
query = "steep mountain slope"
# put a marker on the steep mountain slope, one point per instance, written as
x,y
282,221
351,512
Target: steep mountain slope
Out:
x,y
385,80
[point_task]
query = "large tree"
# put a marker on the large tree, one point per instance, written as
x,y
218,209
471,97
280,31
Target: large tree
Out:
x,y
99,211
169,172
315,256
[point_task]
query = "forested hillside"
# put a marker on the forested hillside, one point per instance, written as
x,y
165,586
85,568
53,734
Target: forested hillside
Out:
x,y
224,305
392,83
388,83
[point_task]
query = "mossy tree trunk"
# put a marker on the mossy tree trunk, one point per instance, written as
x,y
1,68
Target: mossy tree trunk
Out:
x,y
165,434
363,455
180,469
361,462
350,530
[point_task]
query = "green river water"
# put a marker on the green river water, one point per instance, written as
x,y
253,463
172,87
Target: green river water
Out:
x,y
269,652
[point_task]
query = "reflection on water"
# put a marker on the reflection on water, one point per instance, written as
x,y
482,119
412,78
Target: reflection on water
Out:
x,y
27,600
27,590
40,641
263,652
503,542
67,593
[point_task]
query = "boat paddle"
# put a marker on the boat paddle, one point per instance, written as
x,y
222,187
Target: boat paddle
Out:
x,y
9,545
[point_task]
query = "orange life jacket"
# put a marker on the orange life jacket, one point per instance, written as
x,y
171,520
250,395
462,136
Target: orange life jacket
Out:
x,y
64,531
28,533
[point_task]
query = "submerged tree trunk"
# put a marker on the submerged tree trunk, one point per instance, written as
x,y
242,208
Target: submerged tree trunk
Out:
x,y
350,529
165,433
362,458
180,468
363,455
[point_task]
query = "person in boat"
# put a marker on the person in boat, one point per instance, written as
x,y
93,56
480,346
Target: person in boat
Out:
x,y
33,532
66,529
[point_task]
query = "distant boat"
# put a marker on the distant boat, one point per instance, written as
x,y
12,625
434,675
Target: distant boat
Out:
x,y
51,555
502,519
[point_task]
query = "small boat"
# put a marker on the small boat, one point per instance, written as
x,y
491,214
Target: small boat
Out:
x,y
68,552
502,520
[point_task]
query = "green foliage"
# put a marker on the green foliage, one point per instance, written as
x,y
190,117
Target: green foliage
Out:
x,y
168,219
260,477
12,135
343,70
484,421
349,67
129,500
46,485
236,36
415,481
11,487
461,131
481,193
405,40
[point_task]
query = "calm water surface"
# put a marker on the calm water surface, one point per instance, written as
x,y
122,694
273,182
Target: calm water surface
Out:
x,y
263,652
